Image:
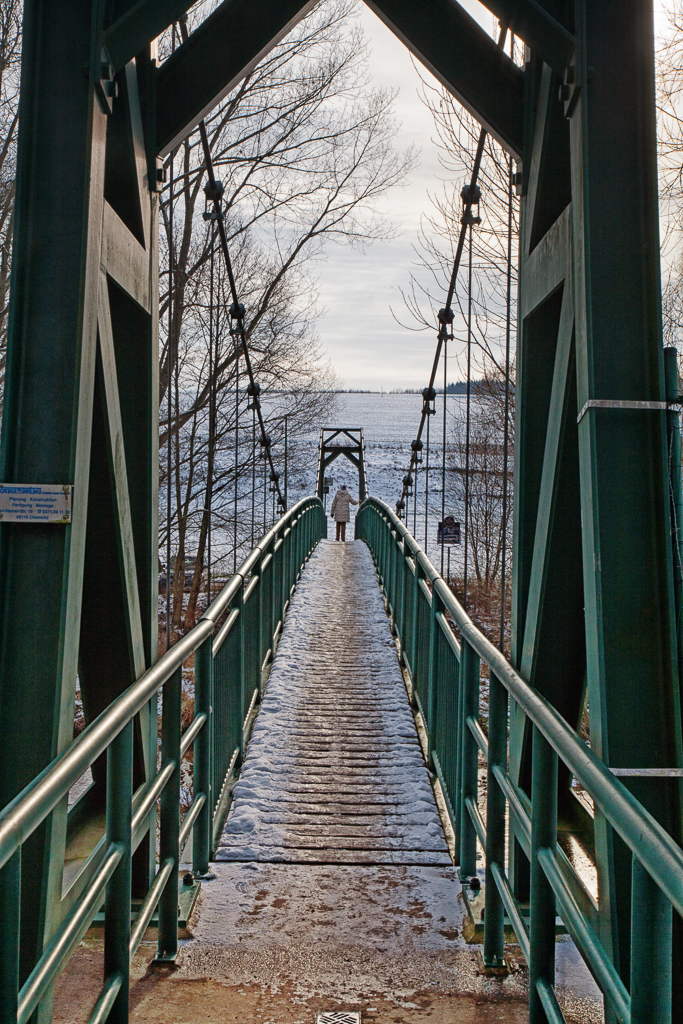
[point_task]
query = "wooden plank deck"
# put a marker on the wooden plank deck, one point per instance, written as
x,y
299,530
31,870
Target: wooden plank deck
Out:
x,y
334,772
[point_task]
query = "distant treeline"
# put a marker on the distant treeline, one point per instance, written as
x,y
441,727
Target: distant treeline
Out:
x,y
451,389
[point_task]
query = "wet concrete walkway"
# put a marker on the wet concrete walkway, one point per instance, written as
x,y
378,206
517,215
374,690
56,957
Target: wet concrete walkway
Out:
x,y
338,893
334,772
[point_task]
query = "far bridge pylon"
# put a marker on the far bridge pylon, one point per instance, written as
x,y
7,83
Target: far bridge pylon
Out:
x,y
336,441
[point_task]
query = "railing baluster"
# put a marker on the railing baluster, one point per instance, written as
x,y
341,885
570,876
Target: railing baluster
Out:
x,y
434,645
494,916
201,835
651,938
469,758
117,901
262,624
169,817
415,631
403,556
542,911
10,903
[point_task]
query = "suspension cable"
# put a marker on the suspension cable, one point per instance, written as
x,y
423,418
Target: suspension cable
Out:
x,y
237,443
429,419
237,309
443,458
506,428
445,315
253,473
468,418
212,412
169,399
415,498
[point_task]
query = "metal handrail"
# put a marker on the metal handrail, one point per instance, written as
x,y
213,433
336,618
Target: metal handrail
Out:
x,y
269,572
30,807
404,568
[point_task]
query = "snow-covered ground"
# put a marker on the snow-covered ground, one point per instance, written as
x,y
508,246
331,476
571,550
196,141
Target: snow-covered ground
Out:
x,y
389,424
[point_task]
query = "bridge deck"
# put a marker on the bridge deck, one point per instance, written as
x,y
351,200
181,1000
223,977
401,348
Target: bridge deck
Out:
x,y
334,772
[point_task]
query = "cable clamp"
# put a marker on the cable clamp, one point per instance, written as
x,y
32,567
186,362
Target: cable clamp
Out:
x,y
610,403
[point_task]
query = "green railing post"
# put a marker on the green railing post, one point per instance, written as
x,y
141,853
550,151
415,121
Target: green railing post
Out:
x,y
542,910
236,670
395,570
651,938
286,564
383,553
414,632
434,645
404,576
169,816
494,915
297,547
117,900
201,835
469,755
273,587
676,487
10,903
264,632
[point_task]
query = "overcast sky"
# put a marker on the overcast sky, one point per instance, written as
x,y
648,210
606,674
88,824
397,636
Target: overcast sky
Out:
x,y
366,346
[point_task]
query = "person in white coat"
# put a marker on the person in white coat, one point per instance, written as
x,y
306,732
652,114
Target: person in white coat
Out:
x,y
340,511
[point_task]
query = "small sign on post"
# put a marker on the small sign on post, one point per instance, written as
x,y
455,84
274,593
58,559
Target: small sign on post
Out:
x,y
35,503
448,531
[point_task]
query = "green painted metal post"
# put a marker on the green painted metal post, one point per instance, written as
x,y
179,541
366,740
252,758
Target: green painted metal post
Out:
x,y
394,578
434,645
402,613
117,901
169,818
542,911
10,909
286,565
241,695
651,938
457,796
201,837
414,631
676,487
298,545
263,626
494,918
469,757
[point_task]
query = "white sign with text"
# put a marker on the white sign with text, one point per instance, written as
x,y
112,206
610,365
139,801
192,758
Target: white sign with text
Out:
x,y
35,503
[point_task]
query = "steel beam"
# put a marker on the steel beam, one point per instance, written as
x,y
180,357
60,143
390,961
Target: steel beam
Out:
x,y
134,29
593,597
544,34
225,48
465,59
80,408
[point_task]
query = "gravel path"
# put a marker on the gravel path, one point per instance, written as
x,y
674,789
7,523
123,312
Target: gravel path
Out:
x,y
334,773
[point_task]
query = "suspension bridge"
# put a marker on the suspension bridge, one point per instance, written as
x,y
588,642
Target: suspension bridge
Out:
x,y
347,714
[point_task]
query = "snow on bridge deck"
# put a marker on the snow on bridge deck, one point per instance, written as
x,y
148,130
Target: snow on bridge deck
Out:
x,y
334,772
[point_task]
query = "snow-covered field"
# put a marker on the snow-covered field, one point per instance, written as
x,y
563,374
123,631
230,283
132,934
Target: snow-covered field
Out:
x,y
389,424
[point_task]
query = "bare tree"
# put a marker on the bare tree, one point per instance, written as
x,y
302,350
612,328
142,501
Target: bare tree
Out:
x,y
304,149
10,60
488,521
456,137
484,324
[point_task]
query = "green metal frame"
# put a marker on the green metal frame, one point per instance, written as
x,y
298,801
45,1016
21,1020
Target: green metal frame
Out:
x,y
443,652
232,643
594,604
597,592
